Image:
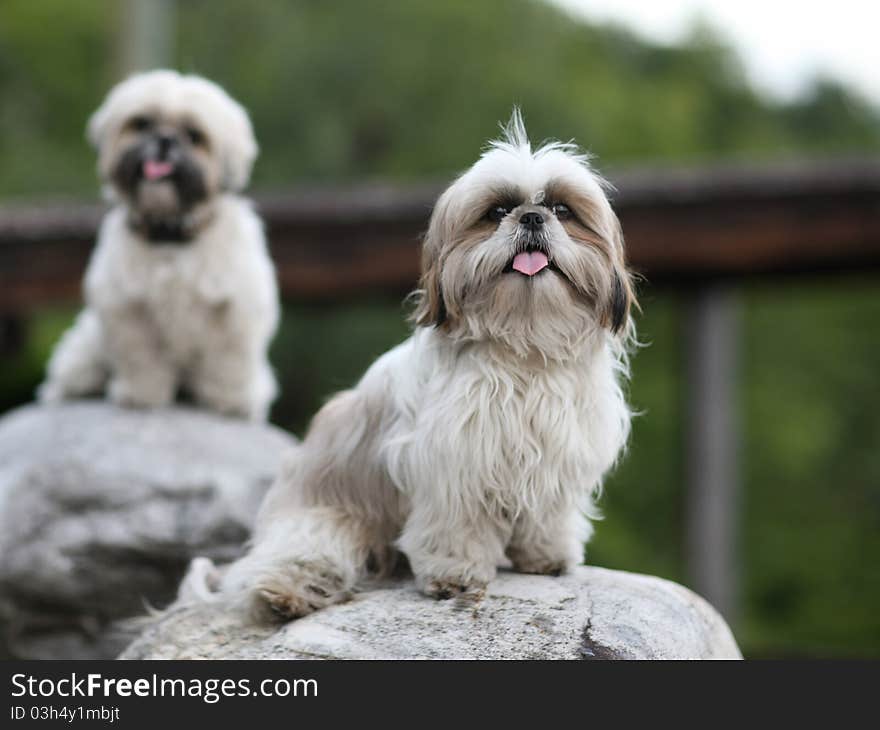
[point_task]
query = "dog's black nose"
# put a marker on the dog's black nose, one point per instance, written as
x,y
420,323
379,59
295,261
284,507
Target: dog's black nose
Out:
x,y
532,221
165,142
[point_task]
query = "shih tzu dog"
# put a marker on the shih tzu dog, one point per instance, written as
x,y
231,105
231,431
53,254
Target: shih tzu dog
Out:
x,y
180,290
484,437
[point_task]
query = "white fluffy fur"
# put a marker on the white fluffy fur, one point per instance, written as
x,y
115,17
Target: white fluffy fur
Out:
x,y
199,315
481,439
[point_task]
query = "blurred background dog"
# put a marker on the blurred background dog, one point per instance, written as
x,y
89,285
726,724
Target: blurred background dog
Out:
x,y
180,290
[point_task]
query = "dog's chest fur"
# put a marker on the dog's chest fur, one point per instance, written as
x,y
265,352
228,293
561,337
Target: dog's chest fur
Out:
x,y
508,432
183,291
179,298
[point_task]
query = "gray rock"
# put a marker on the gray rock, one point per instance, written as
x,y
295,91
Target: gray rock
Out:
x,y
101,510
590,614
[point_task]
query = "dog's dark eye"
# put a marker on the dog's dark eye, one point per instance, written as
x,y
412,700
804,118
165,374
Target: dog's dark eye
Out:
x,y
140,123
195,136
562,211
496,213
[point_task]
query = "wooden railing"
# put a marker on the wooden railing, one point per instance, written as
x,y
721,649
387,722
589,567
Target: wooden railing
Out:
x,y
701,230
683,226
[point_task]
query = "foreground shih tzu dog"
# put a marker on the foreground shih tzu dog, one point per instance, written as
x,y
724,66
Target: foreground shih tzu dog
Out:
x,y
485,436
180,290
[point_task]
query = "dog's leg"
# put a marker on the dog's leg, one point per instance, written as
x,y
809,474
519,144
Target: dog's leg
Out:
x,y
331,510
548,542
232,378
78,365
143,376
451,554
263,389
304,559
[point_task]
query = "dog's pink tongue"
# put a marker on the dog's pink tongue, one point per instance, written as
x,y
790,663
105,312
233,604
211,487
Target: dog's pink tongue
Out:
x,y
155,170
530,262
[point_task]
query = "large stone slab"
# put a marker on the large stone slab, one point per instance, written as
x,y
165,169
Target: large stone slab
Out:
x,y
590,614
102,508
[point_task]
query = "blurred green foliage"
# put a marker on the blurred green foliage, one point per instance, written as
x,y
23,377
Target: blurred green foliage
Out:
x,y
410,90
406,90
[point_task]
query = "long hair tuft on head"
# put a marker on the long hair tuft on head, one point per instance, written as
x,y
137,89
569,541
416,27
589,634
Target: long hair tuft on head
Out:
x,y
514,137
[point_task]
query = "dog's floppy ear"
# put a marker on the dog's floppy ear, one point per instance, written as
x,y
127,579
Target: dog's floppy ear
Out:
x,y
97,126
431,308
620,301
615,311
101,125
239,149
238,145
107,116
231,128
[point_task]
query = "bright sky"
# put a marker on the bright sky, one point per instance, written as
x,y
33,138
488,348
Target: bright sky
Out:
x,y
783,43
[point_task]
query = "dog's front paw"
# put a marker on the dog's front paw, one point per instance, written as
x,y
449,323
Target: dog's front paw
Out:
x,y
232,404
296,590
538,564
50,392
443,577
129,395
449,579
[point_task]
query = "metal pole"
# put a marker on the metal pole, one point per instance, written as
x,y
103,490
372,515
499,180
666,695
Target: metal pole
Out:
x,y
712,428
147,35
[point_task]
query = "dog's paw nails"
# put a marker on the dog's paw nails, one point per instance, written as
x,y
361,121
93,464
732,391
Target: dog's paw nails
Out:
x,y
271,603
444,589
553,568
318,590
